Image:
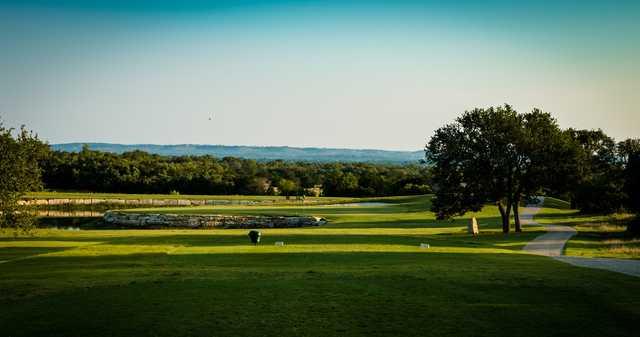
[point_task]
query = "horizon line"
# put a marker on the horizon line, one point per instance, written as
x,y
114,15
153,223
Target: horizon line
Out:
x,y
246,146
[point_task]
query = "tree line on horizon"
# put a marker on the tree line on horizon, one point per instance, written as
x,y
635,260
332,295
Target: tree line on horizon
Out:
x,y
141,172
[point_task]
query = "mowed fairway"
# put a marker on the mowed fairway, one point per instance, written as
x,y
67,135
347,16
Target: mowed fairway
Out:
x,y
363,274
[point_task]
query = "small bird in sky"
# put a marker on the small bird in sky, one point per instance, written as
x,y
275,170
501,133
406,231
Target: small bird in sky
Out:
x,y
211,117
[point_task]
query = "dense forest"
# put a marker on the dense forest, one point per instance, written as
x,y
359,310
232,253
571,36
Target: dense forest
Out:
x,y
141,172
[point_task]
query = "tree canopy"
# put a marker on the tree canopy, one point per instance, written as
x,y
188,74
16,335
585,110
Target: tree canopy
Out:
x,y
496,155
19,173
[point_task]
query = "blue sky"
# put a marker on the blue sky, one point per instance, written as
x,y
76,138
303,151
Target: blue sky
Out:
x,y
350,74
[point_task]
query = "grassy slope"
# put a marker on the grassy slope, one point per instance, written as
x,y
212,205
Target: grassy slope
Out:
x,y
363,274
552,202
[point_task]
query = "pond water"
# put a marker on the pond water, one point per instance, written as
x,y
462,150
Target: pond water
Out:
x,y
69,222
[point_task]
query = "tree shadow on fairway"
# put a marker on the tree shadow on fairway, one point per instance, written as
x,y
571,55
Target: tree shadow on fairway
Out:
x,y
321,292
421,222
9,254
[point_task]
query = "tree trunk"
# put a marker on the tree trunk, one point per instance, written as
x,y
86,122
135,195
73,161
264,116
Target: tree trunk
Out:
x,y
508,211
505,217
516,214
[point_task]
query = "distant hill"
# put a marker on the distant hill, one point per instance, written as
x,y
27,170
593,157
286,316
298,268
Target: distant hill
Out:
x,y
310,154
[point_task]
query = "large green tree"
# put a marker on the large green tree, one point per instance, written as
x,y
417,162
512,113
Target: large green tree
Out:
x,y
495,155
629,153
19,172
599,185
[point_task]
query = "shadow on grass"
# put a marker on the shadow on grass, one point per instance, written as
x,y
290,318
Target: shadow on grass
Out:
x,y
61,222
484,223
345,294
8,254
589,239
266,262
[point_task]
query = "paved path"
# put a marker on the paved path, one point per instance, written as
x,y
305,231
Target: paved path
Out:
x,y
552,244
629,267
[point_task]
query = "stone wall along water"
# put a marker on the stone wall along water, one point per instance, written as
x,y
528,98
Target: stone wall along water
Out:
x,y
141,220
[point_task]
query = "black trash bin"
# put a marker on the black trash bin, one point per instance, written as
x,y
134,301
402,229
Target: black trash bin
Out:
x,y
254,236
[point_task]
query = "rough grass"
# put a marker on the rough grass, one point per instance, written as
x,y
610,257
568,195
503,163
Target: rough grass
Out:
x,y
362,275
603,239
597,235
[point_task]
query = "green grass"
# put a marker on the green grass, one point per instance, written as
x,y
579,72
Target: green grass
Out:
x,y
363,274
606,238
552,202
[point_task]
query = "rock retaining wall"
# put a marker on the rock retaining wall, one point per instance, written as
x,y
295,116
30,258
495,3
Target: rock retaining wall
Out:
x,y
140,220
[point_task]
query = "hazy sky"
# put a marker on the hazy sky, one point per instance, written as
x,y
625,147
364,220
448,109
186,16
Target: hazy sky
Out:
x,y
356,74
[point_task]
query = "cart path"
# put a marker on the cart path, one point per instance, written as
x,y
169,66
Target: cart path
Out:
x,y
629,267
552,244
